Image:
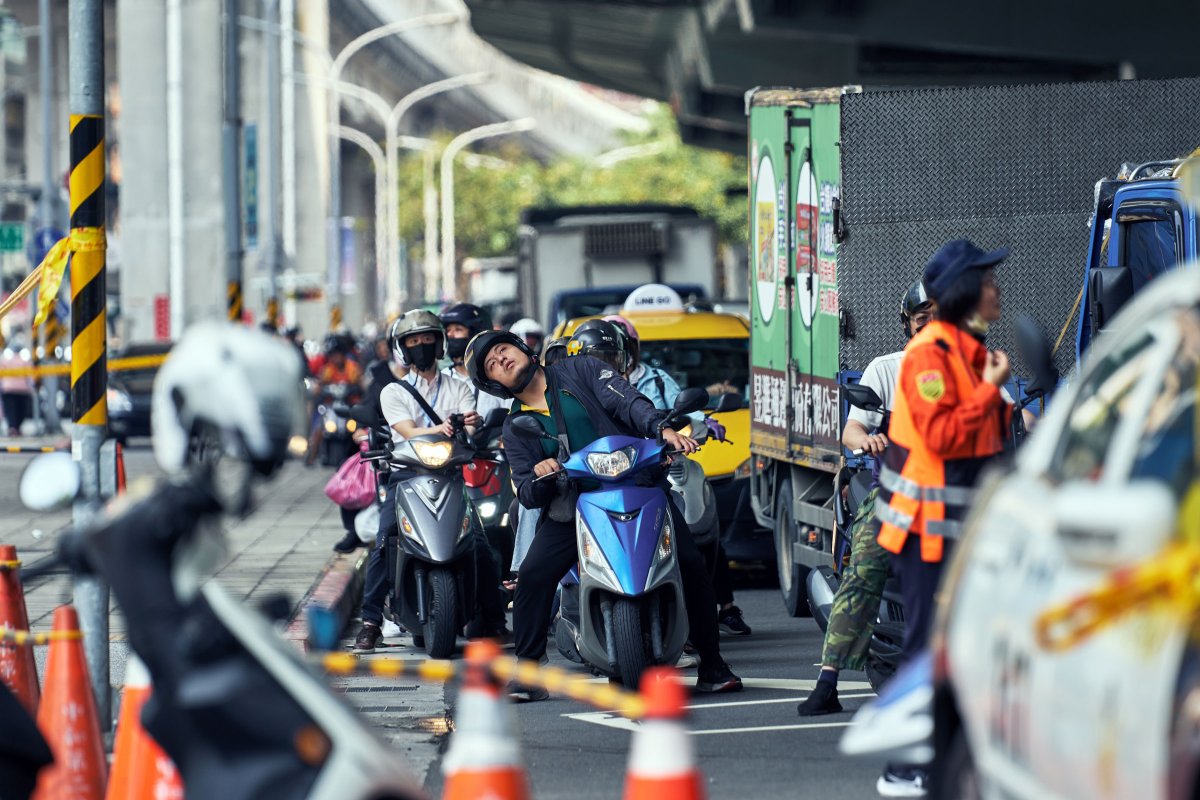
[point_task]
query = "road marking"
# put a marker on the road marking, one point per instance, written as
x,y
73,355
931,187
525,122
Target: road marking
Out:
x,y
610,719
766,728
768,702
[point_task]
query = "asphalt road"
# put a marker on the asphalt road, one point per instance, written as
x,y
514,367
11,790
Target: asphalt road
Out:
x,y
749,745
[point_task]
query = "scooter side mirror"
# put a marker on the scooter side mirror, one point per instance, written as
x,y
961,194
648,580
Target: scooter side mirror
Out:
x,y
730,401
1035,351
863,397
50,482
363,414
495,418
529,428
689,400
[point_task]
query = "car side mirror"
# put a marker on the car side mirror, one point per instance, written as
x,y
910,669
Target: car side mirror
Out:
x,y
1109,288
863,397
730,401
689,401
50,482
529,428
1113,526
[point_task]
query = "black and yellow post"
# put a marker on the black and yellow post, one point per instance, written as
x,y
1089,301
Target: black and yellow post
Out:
x,y
88,322
335,318
273,312
233,297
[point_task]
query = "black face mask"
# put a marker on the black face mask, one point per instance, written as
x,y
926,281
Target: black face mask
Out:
x,y
422,356
456,349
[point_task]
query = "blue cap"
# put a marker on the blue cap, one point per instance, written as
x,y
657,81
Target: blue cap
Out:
x,y
954,259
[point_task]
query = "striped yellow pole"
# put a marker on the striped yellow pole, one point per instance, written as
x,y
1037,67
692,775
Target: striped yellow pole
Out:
x,y
233,297
53,331
335,318
273,312
88,323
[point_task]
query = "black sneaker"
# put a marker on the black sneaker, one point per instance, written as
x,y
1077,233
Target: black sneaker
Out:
x,y
520,693
367,639
348,543
903,781
823,700
730,621
720,678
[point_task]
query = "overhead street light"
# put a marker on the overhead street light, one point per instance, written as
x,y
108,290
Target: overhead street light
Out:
x,y
452,149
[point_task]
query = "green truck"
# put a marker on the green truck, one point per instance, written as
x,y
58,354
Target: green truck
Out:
x,y
851,191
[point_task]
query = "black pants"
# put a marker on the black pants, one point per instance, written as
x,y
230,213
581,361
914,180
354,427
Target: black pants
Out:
x,y
348,515
17,408
379,577
554,551
718,567
918,586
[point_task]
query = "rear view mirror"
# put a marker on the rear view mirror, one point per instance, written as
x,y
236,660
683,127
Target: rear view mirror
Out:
x,y
495,418
1036,353
689,400
730,401
863,397
50,482
1109,288
1113,526
529,428
363,414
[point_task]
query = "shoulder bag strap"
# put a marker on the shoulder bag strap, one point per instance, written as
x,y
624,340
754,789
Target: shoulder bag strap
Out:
x,y
429,412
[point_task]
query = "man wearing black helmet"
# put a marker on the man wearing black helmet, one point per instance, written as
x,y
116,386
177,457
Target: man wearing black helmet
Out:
x,y
462,321
593,399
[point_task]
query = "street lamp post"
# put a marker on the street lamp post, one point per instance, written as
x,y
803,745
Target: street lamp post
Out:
x,y
452,149
335,72
394,294
376,153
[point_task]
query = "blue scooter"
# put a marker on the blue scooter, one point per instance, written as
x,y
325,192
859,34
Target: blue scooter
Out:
x,y
626,612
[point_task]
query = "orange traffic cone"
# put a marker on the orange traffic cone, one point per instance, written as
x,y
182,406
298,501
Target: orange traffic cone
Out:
x,y
68,720
140,768
484,759
17,666
661,764
120,469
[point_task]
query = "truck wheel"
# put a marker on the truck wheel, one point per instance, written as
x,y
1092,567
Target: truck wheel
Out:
x,y
960,778
793,577
441,627
631,645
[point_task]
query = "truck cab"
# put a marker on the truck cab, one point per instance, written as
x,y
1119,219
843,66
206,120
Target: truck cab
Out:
x,y
1142,226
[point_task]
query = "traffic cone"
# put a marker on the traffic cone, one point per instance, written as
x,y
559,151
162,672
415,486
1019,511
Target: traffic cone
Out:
x,y
68,720
120,469
140,768
16,661
661,764
484,759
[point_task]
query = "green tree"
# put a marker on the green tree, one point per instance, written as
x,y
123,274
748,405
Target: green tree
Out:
x,y
489,201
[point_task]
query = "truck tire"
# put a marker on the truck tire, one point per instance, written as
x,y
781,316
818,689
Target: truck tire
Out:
x,y
793,577
631,645
960,778
441,627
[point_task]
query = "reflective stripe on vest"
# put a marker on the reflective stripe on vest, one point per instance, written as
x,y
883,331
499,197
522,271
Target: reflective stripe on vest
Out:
x,y
946,528
950,495
885,513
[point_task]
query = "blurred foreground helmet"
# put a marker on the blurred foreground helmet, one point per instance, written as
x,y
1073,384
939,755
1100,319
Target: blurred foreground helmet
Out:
x,y
228,384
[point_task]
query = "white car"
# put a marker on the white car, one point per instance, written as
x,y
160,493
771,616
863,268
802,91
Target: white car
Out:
x,y
1098,486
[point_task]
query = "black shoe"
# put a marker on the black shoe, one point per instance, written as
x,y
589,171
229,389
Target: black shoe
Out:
x,y
348,543
730,621
719,678
823,700
520,693
367,639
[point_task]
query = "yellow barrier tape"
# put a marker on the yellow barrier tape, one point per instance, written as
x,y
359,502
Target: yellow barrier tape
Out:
x,y
1171,578
8,566
115,365
27,638
48,275
530,673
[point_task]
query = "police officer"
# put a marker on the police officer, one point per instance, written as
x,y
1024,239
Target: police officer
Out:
x,y
593,400
856,604
949,420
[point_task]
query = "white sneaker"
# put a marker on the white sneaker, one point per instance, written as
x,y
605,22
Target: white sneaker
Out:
x,y
898,781
391,629
687,661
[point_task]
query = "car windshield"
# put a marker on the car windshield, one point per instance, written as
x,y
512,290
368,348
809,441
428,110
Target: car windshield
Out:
x,y
719,366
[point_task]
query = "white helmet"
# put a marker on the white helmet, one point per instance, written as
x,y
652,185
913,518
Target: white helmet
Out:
x,y
527,327
240,383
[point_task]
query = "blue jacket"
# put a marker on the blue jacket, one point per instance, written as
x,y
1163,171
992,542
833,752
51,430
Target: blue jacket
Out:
x,y
614,407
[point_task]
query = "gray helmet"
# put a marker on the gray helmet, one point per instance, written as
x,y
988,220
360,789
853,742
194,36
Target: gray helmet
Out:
x,y
416,321
914,300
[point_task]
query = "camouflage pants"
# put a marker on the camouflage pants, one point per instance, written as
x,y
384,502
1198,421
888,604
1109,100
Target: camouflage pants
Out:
x,y
856,604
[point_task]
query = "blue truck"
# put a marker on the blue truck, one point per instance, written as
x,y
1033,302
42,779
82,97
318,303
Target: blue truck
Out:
x,y
1142,226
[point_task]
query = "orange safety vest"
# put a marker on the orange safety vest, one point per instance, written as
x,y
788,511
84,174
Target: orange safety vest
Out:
x,y
926,480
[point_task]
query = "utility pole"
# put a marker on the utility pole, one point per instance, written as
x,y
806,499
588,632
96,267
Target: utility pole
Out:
x,y
272,159
231,134
89,325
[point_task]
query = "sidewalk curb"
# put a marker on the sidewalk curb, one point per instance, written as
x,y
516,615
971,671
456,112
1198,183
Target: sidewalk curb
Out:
x,y
330,601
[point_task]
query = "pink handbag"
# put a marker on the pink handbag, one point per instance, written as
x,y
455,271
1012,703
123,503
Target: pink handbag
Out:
x,y
353,485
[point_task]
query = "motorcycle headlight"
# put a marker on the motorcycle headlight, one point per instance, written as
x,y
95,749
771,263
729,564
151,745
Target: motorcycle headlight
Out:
x,y
330,426
593,560
612,465
118,400
351,425
487,509
433,454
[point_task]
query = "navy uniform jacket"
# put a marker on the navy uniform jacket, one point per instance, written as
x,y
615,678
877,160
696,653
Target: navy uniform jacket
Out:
x,y
614,407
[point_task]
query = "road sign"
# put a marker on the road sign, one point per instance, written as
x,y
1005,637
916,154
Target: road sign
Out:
x,y
250,178
42,241
12,237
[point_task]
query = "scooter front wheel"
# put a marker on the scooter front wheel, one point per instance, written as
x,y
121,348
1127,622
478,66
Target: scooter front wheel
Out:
x,y
632,659
441,625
